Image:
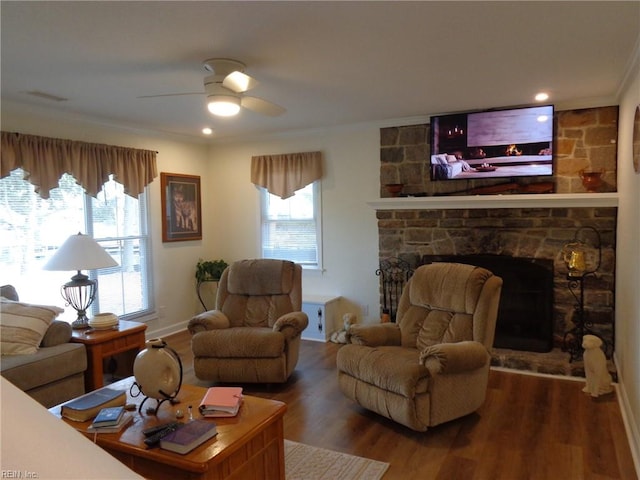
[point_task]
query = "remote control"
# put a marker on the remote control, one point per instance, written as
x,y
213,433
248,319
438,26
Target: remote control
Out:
x,y
154,439
153,430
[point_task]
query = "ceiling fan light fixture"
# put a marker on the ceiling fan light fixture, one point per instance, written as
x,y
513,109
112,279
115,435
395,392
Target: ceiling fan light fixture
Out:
x,y
223,105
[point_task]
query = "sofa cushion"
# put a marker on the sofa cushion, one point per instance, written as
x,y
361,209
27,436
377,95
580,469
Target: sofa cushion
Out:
x,y
45,366
23,325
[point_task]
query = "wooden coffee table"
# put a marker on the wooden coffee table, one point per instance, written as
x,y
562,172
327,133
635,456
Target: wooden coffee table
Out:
x,y
250,445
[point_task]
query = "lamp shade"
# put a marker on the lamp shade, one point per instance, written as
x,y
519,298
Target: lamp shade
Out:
x,y
80,252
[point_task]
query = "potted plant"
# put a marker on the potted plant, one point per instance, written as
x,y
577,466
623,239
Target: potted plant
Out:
x,y
208,271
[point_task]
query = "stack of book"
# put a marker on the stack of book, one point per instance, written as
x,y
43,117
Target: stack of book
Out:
x,y
221,402
110,420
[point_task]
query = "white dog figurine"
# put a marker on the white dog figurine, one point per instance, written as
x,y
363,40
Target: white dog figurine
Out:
x,y
595,367
341,335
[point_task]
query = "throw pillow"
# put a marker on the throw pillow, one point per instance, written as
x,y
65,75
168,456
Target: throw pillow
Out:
x,y
9,292
23,325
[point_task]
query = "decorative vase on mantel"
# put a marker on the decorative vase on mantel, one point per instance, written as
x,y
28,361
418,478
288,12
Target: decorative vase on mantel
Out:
x,y
394,188
591,180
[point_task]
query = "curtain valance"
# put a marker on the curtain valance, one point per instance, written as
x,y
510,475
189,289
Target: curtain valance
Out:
x,y
45,160
283,174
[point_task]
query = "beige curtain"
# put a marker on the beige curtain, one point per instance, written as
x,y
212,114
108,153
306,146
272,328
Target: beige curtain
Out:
x,y
45,160
283,174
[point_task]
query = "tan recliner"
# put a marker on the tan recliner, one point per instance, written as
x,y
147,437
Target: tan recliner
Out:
x,y
253,335
431,366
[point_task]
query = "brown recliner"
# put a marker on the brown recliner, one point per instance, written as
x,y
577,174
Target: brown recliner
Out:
x,y
431,366
253,335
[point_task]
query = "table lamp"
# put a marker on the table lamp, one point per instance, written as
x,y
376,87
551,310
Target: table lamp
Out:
x,y
80,252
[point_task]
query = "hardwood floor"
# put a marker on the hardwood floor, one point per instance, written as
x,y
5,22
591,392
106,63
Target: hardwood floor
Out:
x,y
529,427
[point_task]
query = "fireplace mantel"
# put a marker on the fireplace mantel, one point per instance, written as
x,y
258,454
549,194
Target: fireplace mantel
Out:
x,y
542,200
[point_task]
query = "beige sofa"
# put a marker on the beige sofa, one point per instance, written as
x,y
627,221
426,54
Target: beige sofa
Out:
x,y
55,372
253,335
433,364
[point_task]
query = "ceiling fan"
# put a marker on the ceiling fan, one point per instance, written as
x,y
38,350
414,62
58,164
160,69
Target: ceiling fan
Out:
x,y
225,89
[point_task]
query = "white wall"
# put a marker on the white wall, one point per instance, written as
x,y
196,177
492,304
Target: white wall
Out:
x,y
173,263
350,242
628,263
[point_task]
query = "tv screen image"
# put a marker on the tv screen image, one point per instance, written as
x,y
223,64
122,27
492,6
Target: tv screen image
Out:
x,y
512,142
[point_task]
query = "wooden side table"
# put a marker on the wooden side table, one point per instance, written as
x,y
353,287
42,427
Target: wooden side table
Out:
x,y
101,344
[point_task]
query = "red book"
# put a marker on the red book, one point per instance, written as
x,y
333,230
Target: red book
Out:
x,y
221,402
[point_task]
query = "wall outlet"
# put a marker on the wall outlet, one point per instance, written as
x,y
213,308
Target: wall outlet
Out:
x,y
161,311
365,310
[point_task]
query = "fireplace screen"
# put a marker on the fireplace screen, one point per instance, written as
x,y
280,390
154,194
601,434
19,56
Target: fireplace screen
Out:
x,y
393,273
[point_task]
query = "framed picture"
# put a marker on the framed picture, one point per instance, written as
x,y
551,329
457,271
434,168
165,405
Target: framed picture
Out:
x,y
181,207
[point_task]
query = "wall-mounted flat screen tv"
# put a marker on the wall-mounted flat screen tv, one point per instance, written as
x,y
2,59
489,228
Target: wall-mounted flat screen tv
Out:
x,y
504,143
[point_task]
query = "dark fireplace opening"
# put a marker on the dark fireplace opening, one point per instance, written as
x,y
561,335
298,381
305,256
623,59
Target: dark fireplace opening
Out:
x,y
525,313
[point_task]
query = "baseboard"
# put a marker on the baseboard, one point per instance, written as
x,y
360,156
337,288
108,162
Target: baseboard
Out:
x,y
630,423
538,374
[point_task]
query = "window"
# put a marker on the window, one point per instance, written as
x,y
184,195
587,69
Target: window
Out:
x,y
291,228
33,228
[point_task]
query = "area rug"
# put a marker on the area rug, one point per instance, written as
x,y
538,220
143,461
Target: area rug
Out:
x,y
304,462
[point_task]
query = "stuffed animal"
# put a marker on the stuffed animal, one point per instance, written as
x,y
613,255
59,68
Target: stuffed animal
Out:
x,y
340,336
595,367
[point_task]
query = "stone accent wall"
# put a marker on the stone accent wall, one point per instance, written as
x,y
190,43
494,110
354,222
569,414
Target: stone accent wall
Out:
x,y
586,139
530,233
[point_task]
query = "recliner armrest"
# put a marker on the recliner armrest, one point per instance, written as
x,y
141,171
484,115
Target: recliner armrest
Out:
x,y
454,357
374,335
210,320
291,324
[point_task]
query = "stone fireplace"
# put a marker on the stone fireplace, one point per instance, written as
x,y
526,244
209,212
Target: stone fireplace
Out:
x,y
430,222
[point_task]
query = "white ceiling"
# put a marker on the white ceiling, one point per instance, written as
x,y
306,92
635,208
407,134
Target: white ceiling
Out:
x,y
327,63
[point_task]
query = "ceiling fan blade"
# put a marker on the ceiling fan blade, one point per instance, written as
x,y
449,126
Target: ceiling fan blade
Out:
x,y
170,94
262,106
239,82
